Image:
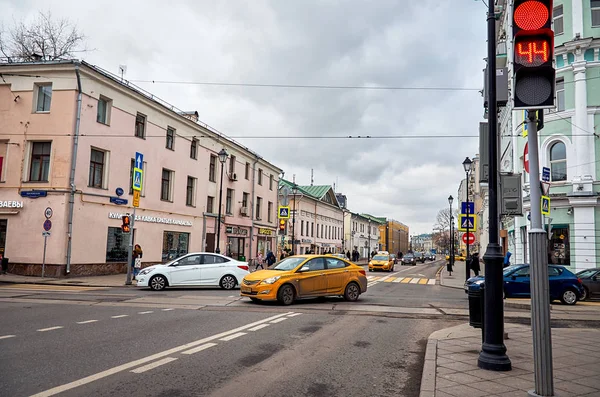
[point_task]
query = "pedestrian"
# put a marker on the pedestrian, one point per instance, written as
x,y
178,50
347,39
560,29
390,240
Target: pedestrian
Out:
x,y
282,256
449,267
475,264
348,255
137,259
507,259
259,261
271,258
400,255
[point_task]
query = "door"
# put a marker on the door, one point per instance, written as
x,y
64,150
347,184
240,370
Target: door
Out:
x,y
337,275
210,242
518,282
213,268
312,281
187,271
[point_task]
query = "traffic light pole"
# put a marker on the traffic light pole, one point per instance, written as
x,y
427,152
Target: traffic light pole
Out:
x,y
493,351
540,301
130,249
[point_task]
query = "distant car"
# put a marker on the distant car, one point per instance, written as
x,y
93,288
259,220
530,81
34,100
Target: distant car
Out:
x,y
431,256
381,262
420,257
591,283
409,259
194,269
564,285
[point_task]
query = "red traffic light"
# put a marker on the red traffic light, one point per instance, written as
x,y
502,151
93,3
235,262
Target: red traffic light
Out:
x,y
532,51
126,225
282,224
531,15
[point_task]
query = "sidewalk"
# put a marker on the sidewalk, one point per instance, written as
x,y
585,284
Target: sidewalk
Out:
x,y
113,280
457,280
450,368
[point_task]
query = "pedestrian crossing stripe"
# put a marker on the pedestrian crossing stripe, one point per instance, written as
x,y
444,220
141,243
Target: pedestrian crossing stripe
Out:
x,y
402,280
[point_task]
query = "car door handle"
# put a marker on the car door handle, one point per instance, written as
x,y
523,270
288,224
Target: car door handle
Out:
x,y
322,274
345,271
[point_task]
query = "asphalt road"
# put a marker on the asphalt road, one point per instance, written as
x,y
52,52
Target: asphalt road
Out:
x,y
78,350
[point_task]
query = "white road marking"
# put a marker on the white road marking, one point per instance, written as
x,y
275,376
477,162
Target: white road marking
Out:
x,y
278,320
199,348
86,322
230,337
414,281
153,365
49,329
132,364
258,327
167,310
148,312
120,316
398,280
431,281
294,315
7,336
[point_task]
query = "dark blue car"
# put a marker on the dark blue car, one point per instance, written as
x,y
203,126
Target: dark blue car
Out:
x,y
564,285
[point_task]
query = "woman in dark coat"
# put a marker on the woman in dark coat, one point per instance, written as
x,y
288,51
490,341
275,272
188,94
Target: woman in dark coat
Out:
x,y
475,264
449,267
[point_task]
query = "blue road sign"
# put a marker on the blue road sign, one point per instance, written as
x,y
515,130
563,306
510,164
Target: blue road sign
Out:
x,y
137,179
47,224
34,193
467,220
463,208
139,160
119,191
546,174
118,200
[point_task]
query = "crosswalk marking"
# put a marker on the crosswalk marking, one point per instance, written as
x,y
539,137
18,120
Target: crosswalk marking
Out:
x,y
406,280
431,281
373,280
389,280
414,281
423,281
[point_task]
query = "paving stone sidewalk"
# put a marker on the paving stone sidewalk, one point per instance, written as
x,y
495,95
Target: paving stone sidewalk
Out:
x,y
113,280
450,368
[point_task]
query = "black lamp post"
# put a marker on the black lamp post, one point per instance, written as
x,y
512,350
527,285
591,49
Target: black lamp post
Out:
x,y
295,192
467,166
222,158
369,250
450,201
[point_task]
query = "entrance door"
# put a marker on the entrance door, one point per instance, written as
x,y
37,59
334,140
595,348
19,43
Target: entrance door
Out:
x,y
210,242
3,225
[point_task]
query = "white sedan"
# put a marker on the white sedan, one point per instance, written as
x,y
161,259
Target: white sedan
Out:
x,y
194,269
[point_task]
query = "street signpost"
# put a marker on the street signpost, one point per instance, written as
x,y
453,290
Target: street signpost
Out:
x,y
545,205
136,198
467,222
283,212
46,233
47,225
526,158
468,238
48,213
137,181
118,200
463,208
545,174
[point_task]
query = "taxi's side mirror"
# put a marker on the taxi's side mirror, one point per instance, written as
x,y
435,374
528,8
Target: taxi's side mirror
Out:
x,y
304,268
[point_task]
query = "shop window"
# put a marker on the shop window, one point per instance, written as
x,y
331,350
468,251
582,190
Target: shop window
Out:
x,y
175,244
235,248
39,165
558,249
116,245
558,162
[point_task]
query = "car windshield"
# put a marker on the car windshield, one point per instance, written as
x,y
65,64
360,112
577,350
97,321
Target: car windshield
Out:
x,y
288,263
381,258
586,273
408,256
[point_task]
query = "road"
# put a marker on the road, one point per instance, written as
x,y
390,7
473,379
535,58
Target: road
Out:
x,y
208,342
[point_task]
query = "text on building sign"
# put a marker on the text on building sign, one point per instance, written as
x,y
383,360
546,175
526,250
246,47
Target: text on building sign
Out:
x,y
152,219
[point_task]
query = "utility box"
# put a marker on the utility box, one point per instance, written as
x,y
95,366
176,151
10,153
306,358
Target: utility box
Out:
x,y
511,194
501,87
484,161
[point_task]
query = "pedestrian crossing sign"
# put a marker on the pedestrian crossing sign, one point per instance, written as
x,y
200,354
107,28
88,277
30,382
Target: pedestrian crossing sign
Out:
x,y
284,212
465,221
137,179
545,205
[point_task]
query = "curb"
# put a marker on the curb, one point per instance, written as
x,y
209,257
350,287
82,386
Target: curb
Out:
x,y
441,272
66,284
429,369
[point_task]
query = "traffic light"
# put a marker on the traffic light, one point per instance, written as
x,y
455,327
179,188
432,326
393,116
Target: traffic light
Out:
x,y
126,225
281,226
533,49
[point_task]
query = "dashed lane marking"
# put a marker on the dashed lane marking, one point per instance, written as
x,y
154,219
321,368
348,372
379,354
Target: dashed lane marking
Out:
x,y
295,314
230,337
168,309
278,320
155,364
199,348
50,328
120,316
148,312
86,322
7,336
258,327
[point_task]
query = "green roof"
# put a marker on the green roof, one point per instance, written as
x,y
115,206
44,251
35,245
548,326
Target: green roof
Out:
x,y
374,218
317,192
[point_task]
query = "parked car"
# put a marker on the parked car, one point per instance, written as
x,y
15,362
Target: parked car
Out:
x,y
409,259
381,262
591,283
564,285
305,276
194,269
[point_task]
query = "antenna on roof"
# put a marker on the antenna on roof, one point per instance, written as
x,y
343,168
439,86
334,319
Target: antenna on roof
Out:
x,y
312,175
122,71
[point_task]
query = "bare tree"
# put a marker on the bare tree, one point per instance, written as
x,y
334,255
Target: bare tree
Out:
x,y
44,39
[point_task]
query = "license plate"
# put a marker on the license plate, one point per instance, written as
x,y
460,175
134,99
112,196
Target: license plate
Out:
x,y
246,290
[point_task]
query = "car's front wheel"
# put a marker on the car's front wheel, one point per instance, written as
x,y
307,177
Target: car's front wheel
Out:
x,y
352,292
285,295
569,297
228,282
158,283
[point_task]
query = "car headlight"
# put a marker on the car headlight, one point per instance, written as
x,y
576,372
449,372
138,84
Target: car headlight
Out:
x,y
370,263
145,271
478,282
270,280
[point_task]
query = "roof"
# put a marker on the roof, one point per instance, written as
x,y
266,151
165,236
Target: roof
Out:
x,y
317,192
374,218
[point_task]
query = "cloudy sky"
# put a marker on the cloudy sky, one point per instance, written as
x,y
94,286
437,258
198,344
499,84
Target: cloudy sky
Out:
x,y
405,171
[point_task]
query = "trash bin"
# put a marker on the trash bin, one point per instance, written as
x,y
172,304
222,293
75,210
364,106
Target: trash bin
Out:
x,y
241,258
476,305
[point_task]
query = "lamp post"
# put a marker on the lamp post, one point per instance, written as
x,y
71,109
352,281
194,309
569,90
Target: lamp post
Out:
x,y
450,201
369,249
467,166
222,158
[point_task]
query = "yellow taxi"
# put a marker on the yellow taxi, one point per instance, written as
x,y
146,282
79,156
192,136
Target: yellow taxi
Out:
x,y
305,276
382,261
457,257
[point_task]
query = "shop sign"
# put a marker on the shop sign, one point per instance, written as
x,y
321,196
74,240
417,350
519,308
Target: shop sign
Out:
x,y
236,230
307,241
11,204
265,232
152,219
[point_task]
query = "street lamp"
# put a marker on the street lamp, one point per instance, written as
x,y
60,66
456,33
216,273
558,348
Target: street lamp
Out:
x,y
467,166
295,191
450,201
369,250
222,158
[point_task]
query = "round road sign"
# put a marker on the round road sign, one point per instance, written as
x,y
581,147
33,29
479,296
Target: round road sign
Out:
x,y
48,213
47,224
470,236
526,158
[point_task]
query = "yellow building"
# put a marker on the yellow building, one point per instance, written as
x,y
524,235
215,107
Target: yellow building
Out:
x,y
393,236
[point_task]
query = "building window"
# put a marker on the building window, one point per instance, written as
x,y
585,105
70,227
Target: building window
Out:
x,y
595,12
558,20
97,159
39,165
247,171
245,200
175,244
190,192
170,138
271,182
103,111
212,168
558,162
258,208
560,94
210,201
229,202
140,126
194,149
165,186
231,165
312,229
44,97
301,228
260,172
270,212
116,245
558,248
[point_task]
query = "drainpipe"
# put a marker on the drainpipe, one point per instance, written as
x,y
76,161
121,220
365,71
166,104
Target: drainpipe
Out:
x,y
252,199
73,164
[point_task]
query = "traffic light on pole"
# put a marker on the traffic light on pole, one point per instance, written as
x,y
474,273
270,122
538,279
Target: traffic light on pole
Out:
x,y
533,49
281,226
126,225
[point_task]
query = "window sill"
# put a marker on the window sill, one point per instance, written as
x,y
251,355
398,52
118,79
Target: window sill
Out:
x,y
100,122
96,187
190,205
42,112
167,201
140,137
212,181
193,158
35,181
229,213
169,148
